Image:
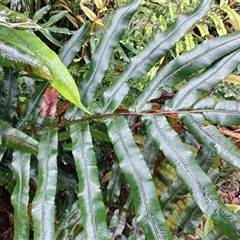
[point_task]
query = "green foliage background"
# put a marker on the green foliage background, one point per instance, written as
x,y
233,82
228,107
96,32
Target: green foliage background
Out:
x,y
157,79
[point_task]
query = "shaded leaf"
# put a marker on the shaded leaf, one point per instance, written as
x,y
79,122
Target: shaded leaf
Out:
x,y
54,18
74,44
71,224
6,177
33,105
8,94
13,138
41,12
117,224
115,183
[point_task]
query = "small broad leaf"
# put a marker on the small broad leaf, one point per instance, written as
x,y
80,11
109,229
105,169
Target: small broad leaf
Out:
x,y
41,12
27,52
54,18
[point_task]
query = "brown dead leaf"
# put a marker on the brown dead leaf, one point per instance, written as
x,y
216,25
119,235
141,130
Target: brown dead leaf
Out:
x,y
49,104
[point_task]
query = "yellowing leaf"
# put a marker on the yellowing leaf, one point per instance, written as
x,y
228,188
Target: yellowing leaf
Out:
x,y
99,22
232,78
27,52
90,14
99,4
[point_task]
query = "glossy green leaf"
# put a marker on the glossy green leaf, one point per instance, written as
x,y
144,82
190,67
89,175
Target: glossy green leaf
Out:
x,y
43,204
14,19
8,94
74,44
197,86
219,111
212,137
135,169
178,69
27,52
150,55
89,195
20,197
13,138
197,182
66,55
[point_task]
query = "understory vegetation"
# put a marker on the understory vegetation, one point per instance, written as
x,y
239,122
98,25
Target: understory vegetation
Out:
x,y
119,119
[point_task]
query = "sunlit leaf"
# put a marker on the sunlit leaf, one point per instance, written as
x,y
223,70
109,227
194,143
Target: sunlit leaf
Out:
x,y
22,50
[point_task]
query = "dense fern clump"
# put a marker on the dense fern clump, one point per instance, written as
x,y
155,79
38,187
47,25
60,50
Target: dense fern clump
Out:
x,y
134,151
